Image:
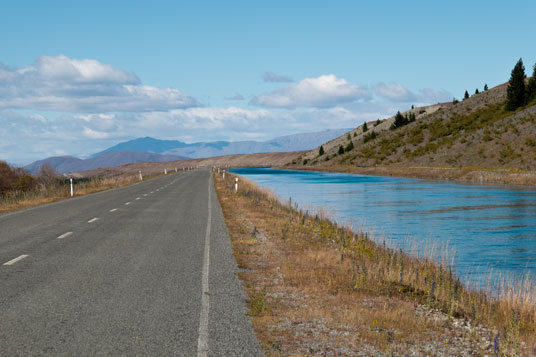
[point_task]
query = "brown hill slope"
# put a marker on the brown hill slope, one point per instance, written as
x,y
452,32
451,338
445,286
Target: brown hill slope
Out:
x,y
476,133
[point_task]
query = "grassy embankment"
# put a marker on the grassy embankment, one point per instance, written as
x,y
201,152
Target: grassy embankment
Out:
x,y
316,287
42,194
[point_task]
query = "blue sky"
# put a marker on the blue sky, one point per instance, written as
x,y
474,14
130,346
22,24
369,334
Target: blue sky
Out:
x,y
77,77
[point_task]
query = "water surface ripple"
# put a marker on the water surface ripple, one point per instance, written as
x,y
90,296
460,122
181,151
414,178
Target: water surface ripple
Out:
x,y
491,228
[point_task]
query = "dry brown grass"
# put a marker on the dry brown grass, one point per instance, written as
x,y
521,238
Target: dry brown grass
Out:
x,y
316,287
15,201
489,175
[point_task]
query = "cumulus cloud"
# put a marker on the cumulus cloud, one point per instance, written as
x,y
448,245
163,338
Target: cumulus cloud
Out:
x,y
64,84
395,92
28,137
398,93
322,91
432,96
272,77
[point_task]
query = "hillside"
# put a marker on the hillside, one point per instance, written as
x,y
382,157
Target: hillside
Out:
x,y
64,164
476,133
296,142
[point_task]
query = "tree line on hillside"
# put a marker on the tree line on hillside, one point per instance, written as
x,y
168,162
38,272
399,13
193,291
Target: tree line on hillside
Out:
x,y
518,93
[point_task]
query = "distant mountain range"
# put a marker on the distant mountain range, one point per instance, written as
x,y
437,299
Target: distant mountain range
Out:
x,y
297,142
64,164
155,150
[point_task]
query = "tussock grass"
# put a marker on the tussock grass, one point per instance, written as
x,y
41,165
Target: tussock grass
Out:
x,y
353,294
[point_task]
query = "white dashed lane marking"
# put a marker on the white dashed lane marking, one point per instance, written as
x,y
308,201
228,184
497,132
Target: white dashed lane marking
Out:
x,y
137,198
127,203
113,210
92,220
13,261
65,235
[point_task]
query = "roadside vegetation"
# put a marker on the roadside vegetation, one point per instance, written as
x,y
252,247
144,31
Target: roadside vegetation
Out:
x,y
316,287
19,189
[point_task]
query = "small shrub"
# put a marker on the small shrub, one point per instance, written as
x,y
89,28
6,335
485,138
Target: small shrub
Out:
x,y
530,142
370,136
349,147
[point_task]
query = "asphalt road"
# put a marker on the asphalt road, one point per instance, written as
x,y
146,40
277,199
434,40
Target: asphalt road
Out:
x,y
140,270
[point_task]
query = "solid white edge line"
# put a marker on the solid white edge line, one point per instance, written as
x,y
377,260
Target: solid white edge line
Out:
x,y
202,342
113,210
65,235
13,261
92,220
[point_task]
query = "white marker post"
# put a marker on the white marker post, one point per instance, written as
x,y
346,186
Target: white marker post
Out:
x,y
175,170
223,173
165,171
72,192
141,177
236,185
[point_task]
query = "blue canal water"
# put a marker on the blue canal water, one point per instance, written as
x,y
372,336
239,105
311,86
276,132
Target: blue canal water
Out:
x,y
487,228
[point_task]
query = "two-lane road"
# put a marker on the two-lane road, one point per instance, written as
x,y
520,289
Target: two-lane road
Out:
x,y
141,270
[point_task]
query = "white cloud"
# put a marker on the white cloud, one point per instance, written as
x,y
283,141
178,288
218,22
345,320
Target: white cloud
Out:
x,y
26,138
272,77
322,91
395,92
432,96
93,134
82,86
398,93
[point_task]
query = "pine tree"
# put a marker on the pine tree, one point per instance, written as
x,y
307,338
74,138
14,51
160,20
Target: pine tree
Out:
x,y
531,88
485,87
515,94
348,137
321,151
341,150
400,120
476,91
349,147
466,95
365,127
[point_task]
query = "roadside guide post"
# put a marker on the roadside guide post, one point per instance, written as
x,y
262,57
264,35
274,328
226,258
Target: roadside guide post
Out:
x,y
236,185
72,192
141,177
